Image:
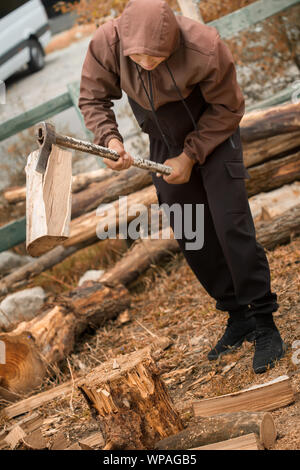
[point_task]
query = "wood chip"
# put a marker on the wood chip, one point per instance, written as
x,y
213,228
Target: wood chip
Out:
x,y
204,379
228,368
35,441
94,440
15,436
115,365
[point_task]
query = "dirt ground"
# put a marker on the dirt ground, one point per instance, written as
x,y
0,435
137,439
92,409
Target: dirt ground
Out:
x,y
169,301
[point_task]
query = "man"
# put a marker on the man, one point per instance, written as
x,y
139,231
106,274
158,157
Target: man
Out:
x,y
181,83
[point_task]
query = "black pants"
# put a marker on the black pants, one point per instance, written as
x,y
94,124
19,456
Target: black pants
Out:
x,y
231,265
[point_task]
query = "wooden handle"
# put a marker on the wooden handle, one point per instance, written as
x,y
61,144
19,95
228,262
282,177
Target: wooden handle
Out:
x,y
104,152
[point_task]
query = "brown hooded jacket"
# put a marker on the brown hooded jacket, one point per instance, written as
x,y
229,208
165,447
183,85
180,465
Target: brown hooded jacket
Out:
x,y
195,54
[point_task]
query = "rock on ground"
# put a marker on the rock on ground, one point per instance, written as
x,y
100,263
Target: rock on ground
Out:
x,y
92,275
10,260
20,306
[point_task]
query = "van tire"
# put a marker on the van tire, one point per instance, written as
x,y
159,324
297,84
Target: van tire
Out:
x,y
37,60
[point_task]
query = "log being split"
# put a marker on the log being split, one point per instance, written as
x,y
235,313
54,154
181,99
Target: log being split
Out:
x,y
48,201
79,183
266,397
222,427
131,402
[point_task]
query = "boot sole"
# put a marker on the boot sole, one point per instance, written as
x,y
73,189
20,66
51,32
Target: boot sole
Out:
x,y
271,365
250,337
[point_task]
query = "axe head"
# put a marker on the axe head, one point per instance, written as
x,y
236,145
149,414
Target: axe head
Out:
x,y
46,136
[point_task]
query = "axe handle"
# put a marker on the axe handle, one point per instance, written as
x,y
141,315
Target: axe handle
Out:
x,y
88,147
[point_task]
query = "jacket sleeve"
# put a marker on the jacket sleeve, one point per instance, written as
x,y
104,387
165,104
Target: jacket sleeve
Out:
x,y
100,84
226,104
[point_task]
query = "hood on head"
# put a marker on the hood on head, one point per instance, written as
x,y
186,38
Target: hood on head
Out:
x,y
148,27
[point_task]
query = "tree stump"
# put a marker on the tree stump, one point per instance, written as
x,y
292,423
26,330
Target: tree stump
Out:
x,y
131,402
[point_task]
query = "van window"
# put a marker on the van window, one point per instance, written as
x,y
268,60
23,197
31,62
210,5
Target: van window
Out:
x,y
8,7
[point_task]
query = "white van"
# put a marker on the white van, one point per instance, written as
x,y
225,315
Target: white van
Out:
x,y
24,32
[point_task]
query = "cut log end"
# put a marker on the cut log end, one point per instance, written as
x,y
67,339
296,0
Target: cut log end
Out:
x,y
43,244
23,369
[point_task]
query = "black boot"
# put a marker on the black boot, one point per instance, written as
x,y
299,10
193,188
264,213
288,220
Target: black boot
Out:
x,y
238,330
269,346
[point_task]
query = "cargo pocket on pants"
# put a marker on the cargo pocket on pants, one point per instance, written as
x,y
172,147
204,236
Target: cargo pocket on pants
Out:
x,y
237,169
237,197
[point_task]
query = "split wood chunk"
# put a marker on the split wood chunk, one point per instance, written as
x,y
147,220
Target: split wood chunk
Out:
x,y
14,433
131,403
95,440
266,397
34,441
60,442
24,368
48,201
14,437
75,446
203,431
248,442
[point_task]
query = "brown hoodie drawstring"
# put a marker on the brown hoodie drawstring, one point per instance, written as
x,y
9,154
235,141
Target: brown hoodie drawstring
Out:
x,y
181,97
151,101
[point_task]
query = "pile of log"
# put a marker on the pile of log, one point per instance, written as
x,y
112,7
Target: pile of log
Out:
x,y
130,404
271,142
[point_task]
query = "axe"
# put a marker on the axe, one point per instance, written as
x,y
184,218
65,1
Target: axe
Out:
x,y
46,136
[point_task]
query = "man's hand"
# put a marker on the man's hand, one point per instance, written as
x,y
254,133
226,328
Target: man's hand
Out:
x,y
125,160
181,169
